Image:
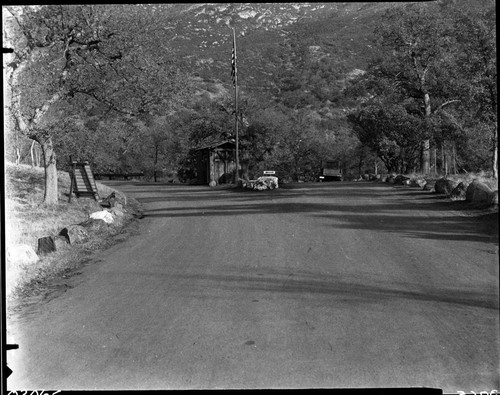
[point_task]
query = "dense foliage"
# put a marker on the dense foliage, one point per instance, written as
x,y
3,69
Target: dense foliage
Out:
x,y
437,83
412,87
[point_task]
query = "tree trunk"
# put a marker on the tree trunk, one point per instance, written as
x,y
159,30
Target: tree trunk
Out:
x,y
360,164
442,159
33,163
434,160
402,161
28,126
454,158
426,156
387,163
38,156
155,162
18,151
297,178
49,158
494,158
445,155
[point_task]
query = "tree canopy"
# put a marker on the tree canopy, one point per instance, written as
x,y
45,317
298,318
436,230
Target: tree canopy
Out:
x,y
104,83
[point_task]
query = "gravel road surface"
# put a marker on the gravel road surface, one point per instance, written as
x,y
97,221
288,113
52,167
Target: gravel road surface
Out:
x,y
342,285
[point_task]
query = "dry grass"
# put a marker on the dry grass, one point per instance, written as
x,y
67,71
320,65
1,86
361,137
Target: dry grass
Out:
x,y
27,219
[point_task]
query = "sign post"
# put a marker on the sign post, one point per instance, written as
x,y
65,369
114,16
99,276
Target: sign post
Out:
x,y
234,74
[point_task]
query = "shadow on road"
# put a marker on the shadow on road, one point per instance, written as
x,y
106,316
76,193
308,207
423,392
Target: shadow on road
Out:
x,y
351,292
369,206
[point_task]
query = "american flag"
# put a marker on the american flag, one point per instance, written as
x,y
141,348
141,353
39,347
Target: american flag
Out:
x,y
233,61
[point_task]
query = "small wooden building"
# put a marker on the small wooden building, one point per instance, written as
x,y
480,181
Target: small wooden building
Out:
x,y
215,161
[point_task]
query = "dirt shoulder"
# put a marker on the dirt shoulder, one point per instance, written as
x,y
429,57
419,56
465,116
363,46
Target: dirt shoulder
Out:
x,y
48,284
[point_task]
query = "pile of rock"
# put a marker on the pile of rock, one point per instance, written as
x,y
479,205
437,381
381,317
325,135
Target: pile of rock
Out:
x,y
261,183
97,222
474,192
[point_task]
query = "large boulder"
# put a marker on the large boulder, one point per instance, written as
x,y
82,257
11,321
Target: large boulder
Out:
x,y
46,245
109,201
429,186
104,215
95,225
445,186
50,244
22,253
117,210
478,192
60,242
494,198
74,234
458,192
417,182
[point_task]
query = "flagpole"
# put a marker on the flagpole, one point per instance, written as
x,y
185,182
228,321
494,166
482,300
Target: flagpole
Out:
x,y
236,107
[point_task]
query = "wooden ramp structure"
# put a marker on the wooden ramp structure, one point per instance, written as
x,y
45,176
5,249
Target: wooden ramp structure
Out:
x,y
82,181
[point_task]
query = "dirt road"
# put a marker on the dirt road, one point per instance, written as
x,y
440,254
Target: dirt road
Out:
x,y
320,285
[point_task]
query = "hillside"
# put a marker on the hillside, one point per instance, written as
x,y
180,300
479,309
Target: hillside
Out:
x,y
270,37
130,97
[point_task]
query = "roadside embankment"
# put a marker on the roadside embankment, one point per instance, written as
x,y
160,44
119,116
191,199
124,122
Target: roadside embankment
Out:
x,y
476,189
46,242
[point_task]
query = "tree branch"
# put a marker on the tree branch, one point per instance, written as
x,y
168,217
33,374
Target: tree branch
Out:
x,y
108,103
449,102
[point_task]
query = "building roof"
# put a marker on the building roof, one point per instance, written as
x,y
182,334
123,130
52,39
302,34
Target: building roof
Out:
x,y
215,144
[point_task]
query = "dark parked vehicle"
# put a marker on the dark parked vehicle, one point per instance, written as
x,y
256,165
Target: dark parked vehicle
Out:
x,y
331,171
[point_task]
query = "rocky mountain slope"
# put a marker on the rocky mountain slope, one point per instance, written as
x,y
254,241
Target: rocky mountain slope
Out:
x,y
271,38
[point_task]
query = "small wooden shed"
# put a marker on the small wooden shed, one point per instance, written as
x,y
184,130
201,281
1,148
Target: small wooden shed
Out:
x,y
215,161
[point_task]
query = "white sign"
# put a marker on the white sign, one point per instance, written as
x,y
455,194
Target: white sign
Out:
x,y
266,172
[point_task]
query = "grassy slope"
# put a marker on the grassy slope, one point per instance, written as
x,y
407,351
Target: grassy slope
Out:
x,y
27,220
